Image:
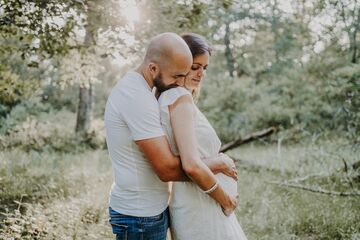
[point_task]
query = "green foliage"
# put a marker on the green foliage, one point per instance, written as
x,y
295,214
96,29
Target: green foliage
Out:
x,y
35,126
25,109
307,100
31,19
60,99
13,90
346,90
17,82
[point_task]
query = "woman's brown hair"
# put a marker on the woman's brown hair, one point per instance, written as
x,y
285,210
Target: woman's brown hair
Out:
x,y
198,46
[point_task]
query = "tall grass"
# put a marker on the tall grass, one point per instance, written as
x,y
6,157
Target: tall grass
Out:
x,y
272,211
66,194
37,190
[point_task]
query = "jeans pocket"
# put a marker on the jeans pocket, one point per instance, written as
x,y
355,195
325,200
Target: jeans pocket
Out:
x,y
120,230
158,223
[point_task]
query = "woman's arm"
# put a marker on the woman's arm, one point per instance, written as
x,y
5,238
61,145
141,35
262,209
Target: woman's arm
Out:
x,y
182,123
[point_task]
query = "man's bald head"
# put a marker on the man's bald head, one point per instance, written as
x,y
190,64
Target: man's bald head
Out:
x,y
167,61
167,49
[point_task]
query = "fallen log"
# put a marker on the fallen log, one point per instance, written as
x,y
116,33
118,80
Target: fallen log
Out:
x,y
315,189
249,138
356,165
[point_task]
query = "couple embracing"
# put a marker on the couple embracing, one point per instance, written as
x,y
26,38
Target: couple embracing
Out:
x,y
157,137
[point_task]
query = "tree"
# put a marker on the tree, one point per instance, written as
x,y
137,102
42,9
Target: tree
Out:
x,y
345,20
56,26
29,35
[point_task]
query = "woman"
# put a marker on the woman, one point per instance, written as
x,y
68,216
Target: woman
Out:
x,y
194,215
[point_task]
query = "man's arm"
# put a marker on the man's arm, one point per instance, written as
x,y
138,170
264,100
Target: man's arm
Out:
x,y
165,164
168,167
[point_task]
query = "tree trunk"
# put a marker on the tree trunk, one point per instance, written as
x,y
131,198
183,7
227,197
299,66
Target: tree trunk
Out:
x,y
354,50
84,114
228,54
353,45
354,39
275,30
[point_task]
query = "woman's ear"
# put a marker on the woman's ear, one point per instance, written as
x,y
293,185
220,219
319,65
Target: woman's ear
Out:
x,y
153,69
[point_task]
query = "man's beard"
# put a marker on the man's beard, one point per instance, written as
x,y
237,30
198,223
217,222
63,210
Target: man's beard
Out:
x,y
160,85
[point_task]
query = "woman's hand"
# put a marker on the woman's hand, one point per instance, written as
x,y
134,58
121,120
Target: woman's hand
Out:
x,y
230,207
229,168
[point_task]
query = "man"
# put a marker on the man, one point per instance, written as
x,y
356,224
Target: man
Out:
x,y
140,154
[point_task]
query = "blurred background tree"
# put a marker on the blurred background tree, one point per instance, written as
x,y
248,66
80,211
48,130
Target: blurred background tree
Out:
x,y
289,64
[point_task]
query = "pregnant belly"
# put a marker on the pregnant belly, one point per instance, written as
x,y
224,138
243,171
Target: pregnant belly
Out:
x,y
187,196
227,183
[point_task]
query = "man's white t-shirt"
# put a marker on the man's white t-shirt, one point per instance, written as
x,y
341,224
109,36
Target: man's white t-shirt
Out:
x,y
131,114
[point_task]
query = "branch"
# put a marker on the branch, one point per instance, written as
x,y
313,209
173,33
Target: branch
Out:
x,y
316,189
346,168
300,179
248,138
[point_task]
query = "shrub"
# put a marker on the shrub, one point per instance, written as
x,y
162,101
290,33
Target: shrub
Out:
x,y
293,99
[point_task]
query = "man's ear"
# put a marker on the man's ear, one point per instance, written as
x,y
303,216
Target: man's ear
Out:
x,y
153,69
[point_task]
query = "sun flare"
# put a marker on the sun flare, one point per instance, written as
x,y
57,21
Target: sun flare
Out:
x,y
130,11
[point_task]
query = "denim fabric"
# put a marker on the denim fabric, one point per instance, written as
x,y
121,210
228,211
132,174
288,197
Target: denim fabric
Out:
x,y
139,228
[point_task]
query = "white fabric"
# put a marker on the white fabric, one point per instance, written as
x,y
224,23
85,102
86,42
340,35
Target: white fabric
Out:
x,y
131,114
194,215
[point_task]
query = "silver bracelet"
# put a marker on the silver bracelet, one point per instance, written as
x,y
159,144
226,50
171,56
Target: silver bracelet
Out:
x,y
212,189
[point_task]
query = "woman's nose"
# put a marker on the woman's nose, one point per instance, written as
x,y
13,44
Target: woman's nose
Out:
x,y
201,72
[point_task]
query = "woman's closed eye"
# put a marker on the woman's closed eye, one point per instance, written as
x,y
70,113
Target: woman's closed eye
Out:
x,y
194,68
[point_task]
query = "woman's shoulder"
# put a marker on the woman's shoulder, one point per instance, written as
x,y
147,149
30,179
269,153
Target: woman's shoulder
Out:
x,y
170,96
177,91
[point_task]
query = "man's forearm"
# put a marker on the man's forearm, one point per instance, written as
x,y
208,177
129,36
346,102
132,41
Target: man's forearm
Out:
x,y
176,172
179,176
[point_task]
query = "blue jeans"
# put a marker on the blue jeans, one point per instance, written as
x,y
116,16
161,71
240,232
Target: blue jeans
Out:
x,y
139,228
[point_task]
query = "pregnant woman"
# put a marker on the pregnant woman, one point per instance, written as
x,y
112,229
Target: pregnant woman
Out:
x,y
195,215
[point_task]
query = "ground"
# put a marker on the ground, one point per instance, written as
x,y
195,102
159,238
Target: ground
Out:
x,y
72,202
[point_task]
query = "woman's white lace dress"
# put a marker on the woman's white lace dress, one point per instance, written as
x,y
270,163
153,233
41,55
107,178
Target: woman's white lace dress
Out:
x,y
194,215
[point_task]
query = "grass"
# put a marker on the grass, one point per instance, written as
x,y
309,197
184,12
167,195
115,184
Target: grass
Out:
x,y
31,177
66,194
54,195
270,211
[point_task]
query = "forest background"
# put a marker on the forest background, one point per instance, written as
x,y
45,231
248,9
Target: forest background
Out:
x,y
292,66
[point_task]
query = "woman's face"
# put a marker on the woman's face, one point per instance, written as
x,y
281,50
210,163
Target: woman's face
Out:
x,y
197,72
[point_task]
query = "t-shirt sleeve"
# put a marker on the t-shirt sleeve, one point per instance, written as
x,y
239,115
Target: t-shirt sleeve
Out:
x,y
142,116
170,96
